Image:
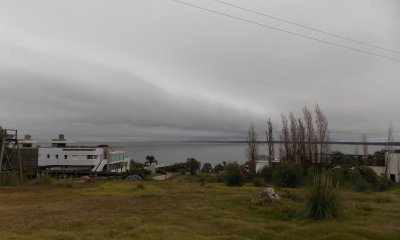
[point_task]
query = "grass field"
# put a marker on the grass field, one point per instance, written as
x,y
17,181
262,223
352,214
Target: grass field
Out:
x,y
182,209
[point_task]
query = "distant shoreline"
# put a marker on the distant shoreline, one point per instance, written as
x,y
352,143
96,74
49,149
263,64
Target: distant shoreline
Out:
x,y
277,142
374,143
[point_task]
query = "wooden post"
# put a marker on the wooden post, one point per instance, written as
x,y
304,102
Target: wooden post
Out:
x,y
19,157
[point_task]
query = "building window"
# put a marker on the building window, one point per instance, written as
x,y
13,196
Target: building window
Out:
x,y
48,156
65,156
56,156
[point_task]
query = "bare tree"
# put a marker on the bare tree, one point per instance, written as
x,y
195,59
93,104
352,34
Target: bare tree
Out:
x,y
285,138
364,142
301,142
281,146
293,136
310,134
389,149
322,133
356,155
252,149
270,141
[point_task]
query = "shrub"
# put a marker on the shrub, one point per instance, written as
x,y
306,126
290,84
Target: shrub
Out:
x,y
8,179
369,175
383,184
364,179
193,165
259,182
249,177
220,178
207,168
361,185
309,174
44,180
65,184
339,176
292,196
161,171
233,175
143,173
266,173
287,174
219,167
140,186
322,201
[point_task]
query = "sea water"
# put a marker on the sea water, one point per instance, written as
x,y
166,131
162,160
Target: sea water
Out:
x,y
211,152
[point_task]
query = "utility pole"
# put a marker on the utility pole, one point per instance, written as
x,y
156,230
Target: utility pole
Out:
x,y
9,138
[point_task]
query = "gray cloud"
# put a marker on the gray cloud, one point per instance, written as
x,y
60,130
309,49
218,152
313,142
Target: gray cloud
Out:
x,y
156,70
115,103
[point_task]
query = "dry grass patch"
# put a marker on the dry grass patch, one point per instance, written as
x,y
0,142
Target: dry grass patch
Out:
x,y
180,209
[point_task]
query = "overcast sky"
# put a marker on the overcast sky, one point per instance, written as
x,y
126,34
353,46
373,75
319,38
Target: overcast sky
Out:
x,y
159,70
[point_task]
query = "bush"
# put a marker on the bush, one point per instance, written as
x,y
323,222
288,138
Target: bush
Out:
x,y
364,179
65,184
322,201
143,173
140,186
266,173
44,180
292,196
259,182
8,180
248,177
210,178
369,175
287,174
193,165
233,175
219,167
383,184
361,185
161,171
339,176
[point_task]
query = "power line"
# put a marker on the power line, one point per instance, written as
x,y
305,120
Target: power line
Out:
x,y
306,27
286,31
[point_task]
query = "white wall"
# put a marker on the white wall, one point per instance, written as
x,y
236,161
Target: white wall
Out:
x,y
75,156
261,164
394,165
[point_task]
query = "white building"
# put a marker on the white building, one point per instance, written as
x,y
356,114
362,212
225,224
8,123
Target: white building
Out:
x,y
393,166
60,157
116,160
262,161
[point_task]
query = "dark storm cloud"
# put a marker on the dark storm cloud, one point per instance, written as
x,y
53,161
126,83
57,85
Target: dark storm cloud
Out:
x,y
159,70
116,103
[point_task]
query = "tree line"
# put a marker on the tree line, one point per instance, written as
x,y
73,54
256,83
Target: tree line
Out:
x,y
304,140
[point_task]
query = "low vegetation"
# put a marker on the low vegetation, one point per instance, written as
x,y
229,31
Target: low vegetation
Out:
x,y
322,201
287,174
183,209
8,179
234,175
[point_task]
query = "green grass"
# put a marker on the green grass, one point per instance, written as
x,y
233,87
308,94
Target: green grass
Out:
x,y
182,209
383,198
